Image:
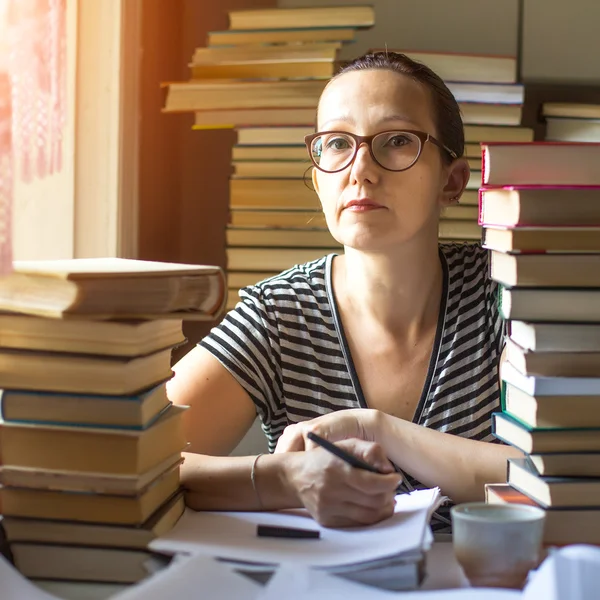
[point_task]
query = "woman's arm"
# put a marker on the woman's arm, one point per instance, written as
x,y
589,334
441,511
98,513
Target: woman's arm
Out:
x,y
459,466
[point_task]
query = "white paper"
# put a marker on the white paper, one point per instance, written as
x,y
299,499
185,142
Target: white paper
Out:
x,y
572,572
14,586
233,535
293,583
193,577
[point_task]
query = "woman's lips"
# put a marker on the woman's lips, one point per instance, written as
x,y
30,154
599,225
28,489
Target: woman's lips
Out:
x,y
362,205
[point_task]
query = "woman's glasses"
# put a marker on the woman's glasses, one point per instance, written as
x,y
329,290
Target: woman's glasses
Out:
x,y
333,151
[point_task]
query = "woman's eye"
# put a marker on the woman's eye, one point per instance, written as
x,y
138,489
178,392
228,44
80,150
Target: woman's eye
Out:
x,y
337,144
398,141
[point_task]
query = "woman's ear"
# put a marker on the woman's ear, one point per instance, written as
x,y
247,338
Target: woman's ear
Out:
x,y
315,180
456,182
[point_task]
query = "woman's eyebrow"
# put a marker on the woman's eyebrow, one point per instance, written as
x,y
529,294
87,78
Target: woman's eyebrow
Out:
x,y
387,119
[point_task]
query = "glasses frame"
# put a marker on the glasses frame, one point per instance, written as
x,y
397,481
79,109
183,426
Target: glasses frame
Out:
x,y
368,139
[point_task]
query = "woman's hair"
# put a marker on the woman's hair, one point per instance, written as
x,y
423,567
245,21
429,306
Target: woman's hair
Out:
x,y
447,113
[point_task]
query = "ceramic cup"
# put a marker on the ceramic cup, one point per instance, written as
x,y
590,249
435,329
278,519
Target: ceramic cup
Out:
x,y
497,545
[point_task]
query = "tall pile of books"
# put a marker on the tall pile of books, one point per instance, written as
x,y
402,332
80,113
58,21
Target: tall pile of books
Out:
x,y
90,446
540,207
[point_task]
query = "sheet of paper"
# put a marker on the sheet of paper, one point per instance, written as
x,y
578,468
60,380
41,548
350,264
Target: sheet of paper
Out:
x,y
189,577
293,583
13,586
233,535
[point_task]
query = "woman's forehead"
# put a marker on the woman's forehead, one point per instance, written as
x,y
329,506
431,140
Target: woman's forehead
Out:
x,y
376,94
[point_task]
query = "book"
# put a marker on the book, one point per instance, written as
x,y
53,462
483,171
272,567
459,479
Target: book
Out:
x,y
561,526
288,53
539,239
456,230
264,70
85,482
279,219
461,212
470,198
553,491
491,133
230,118
82,373
112,288
280,238
545,411
90,508
93,450
541,163
267,259
571,110
469,68
553,364
493,93
546,270
80,563
281,153
321,16
556,337
573,130
550,386
474,113
540,206
272,194
212,95
241,37
274,136
569,306
73,533
240,279
113,338
275,169
584,464
133,411
539,441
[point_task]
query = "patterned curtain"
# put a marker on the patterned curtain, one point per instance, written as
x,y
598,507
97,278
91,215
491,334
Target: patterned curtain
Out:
x,y
32,99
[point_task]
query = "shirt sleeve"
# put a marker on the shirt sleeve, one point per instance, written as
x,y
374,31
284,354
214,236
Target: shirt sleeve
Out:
x,y
246,343
497,325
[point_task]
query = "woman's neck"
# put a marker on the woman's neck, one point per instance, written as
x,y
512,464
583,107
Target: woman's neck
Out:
x,y
399,292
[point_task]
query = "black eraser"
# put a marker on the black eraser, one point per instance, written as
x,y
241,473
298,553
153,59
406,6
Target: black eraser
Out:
x,y
287,532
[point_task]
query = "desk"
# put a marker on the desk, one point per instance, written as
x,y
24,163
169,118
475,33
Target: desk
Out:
x,y
443,572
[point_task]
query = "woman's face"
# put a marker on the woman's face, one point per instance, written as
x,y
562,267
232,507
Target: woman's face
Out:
x,y
393,207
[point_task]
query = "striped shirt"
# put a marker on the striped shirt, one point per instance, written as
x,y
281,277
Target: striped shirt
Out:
x,y
284,343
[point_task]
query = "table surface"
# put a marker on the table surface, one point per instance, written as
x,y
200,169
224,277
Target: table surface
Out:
x,y
443,572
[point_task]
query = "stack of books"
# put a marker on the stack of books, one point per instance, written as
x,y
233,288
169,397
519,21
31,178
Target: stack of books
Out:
x,y
263,77
540,207
90,446
571,122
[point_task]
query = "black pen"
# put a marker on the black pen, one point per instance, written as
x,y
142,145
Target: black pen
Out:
x,y
346,456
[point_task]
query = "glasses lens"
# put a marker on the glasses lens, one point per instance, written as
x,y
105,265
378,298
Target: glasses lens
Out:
x,y
396,150
332,151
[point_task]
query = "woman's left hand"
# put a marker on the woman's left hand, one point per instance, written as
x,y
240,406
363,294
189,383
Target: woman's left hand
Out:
x,y
360,423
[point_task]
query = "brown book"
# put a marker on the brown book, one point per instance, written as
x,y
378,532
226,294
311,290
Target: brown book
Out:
x,y
571,110
470,198
131,411
93,450
232,299
247,37
461,212
537,239
455,230
112,338
473,150
556,492
479,113
455,66
267,259
105,288
553,364
561,527
556,337
489,133
80,563
541,163
247,117
240,279
546,270
540,207
539,411
317,16
89,508
276,169
270,153
279,219
232,94
281,238
264,70
273,136
73,533
272,194
82,373
572,130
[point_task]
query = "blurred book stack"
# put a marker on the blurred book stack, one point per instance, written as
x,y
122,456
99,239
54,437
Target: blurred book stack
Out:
x,y
263,77
491,105
571,122
90,446
540,208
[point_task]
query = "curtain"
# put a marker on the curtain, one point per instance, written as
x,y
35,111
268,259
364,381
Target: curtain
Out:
x,y
32,100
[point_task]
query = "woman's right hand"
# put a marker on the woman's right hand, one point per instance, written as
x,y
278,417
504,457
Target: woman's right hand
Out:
x,y
339,495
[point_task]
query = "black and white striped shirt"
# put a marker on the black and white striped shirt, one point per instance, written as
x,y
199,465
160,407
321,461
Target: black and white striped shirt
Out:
x,y
284,343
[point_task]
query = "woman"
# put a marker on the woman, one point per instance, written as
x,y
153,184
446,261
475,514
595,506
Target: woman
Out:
x,y
402,331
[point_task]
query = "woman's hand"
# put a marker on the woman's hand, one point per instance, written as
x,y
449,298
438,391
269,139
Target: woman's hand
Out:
x,y
359,423
338,495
